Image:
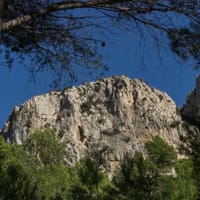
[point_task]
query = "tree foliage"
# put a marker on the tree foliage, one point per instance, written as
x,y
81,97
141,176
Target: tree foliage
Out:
x,y
44,148
61,35
185,186
192,139
162,154
34,170
136,178
46,154
15,170
23,175
151,178
90,182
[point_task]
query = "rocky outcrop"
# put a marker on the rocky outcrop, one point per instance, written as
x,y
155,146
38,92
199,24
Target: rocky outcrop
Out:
x,y
191,108
117,112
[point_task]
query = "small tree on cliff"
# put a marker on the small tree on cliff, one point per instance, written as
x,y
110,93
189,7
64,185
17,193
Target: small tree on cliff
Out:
x,y
61,35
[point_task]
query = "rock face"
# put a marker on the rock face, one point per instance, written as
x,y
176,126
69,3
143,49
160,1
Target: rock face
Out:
x,y
117,112
191,108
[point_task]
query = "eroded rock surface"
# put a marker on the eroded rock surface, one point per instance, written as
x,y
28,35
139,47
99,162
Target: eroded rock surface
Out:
x,y
191,108
117,112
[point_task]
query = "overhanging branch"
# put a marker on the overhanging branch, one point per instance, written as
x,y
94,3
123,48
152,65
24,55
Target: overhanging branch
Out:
x,y
5,26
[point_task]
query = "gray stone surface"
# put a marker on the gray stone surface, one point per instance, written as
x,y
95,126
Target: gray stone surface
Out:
x,y
117,112
191,108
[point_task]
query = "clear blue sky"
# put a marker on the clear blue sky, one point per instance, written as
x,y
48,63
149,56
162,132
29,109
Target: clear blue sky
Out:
x,y
123,58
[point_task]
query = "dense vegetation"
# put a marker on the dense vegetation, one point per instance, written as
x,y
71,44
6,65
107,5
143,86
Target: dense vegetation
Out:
x,y
36,170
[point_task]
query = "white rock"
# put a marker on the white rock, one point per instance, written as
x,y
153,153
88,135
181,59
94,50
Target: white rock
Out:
x,y
117,111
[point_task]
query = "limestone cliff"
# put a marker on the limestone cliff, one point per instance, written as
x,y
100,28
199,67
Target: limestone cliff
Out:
x,y
117,112
191,108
